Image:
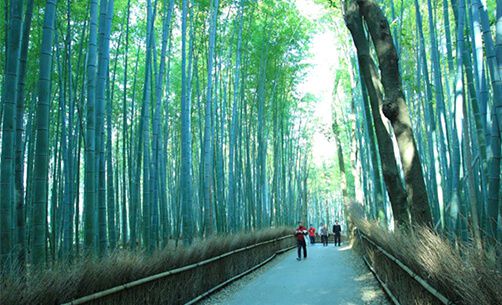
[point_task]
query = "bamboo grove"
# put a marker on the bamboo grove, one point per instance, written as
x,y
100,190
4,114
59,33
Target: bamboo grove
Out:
x,y
129,124
432,95
126,124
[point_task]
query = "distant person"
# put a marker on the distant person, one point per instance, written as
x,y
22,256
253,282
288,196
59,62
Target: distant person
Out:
x,y
319,231
324,235
337,229
300,233
312,234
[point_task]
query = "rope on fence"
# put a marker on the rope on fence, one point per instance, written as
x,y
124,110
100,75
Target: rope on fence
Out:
x,y
116,289
433,291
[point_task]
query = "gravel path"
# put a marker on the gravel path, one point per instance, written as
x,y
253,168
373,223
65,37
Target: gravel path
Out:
x,y
329,275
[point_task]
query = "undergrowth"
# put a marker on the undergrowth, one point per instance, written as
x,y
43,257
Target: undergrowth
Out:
x,y
64,282
460,271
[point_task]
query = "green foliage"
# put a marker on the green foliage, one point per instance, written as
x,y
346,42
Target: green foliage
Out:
x,y
274,30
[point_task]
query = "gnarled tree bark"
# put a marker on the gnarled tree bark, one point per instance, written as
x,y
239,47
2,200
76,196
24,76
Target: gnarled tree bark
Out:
x,y
395,109
395,189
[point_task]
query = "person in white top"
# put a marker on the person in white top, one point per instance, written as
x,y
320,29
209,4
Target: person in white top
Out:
x,y
324,235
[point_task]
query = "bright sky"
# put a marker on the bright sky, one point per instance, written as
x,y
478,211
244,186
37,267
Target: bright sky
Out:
x,y
320,78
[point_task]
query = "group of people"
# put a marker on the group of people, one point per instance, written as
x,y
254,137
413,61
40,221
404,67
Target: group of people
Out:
x,y
323,232
302,231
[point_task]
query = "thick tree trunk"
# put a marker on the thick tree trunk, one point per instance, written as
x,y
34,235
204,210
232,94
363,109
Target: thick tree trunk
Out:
x,y
395,109
395,189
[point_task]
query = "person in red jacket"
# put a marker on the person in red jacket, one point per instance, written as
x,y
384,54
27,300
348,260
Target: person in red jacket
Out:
x,y
300,233
312,234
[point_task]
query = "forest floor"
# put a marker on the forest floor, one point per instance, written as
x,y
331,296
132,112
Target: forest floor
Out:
x,y
329,275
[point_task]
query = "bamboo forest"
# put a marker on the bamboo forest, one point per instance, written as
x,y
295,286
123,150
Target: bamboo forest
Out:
x,y
152,151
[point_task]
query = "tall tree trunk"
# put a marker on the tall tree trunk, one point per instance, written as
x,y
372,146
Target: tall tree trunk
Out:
x,y
341,163
20,153
79,132
90,216
219,137
458,113
65,205
156,147
41,161
110,194
186,138
480,72
397,193
145,128
498,80
125,133
261,161
379,199
30,136
440,107
105,21
429,116
395,109
493,210
71,151
473,201
208,147
10,80
56,182
135,166
77,183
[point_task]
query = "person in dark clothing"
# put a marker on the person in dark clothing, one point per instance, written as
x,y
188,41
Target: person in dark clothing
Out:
x,y
300,233
337,229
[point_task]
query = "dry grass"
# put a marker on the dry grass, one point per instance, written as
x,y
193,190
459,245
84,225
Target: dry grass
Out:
x,y
66,282
463,274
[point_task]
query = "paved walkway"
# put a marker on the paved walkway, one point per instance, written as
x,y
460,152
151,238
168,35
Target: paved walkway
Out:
x,y
329,275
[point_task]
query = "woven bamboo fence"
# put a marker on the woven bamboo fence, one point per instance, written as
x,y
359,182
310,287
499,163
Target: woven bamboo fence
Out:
x,y
400,282
191,283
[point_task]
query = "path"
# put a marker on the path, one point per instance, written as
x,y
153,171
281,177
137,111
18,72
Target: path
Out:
x,y
328,276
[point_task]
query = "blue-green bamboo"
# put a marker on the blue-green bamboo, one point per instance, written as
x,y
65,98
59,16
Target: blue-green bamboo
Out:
x,y
40,171
9,95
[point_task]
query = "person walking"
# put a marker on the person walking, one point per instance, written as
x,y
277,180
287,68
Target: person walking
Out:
x,y
312,234
324,235
337,229
300,233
